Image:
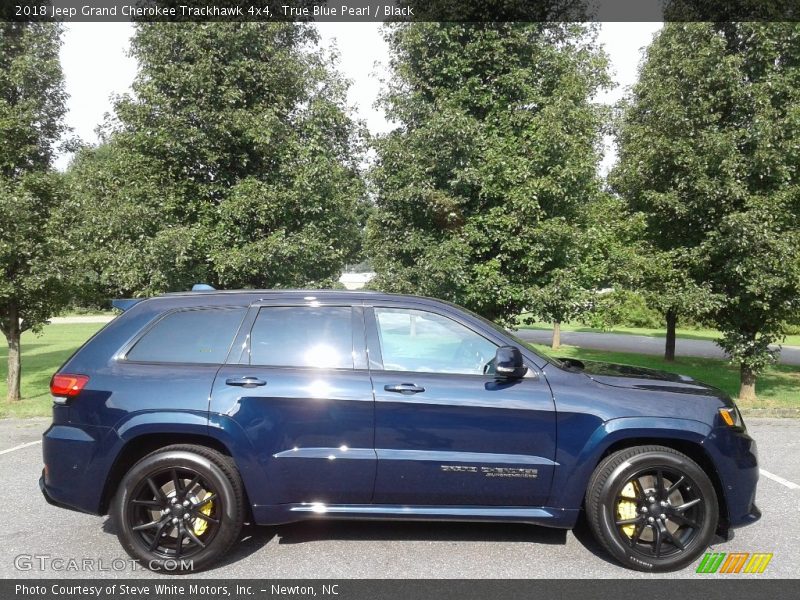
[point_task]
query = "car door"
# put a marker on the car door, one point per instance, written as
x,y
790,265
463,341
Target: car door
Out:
x,y
445,432
300,391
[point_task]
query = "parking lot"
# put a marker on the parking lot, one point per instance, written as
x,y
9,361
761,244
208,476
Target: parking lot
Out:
x,y
43,535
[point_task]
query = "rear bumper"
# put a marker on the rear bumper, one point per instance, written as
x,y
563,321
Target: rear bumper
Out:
x,y
52,501
75,472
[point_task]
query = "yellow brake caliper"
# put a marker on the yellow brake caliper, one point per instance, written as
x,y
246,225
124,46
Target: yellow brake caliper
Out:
x,y
200,525
626,509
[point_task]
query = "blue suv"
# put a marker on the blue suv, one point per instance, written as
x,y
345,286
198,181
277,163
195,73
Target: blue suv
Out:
x,y
193,413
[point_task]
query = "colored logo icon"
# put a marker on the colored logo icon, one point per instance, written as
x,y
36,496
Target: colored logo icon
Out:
x,y
734,562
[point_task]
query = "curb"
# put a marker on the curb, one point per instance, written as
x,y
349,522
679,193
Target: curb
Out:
x,y
781,413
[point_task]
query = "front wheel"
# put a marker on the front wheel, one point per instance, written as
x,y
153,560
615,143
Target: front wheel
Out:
x,y
653,508
179,509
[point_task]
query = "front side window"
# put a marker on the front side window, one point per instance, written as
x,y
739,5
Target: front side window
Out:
x,y
190,336
421,341
303,336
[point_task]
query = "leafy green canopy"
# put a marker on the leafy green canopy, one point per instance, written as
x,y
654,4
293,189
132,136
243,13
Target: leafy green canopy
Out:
x,y
709,154
234,162
480,187
32,107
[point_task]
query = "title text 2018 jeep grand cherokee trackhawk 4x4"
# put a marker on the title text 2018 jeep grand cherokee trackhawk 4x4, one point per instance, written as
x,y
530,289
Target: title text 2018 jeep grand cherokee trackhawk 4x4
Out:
x,y
192,413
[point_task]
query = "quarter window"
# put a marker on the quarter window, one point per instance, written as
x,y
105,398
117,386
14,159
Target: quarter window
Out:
x,y
421,341
189,336
303,336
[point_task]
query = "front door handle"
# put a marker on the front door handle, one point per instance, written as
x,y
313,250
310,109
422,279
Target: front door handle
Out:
x,y
246,382
404,388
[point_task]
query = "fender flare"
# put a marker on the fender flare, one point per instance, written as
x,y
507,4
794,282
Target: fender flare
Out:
x,y
572,488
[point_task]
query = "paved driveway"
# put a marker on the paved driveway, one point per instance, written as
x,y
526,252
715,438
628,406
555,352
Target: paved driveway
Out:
x,y
383,550
641,344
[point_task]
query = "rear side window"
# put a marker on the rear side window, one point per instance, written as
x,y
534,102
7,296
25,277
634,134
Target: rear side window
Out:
x,y
303,336
189,336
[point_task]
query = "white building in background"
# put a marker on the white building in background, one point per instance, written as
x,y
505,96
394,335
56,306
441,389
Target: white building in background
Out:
x,y
356,281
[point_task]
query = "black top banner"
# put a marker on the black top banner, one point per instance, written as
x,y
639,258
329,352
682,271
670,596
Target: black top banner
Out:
x,y
399,10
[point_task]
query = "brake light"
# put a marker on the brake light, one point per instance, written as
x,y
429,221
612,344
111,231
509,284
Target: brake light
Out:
x,y
64,385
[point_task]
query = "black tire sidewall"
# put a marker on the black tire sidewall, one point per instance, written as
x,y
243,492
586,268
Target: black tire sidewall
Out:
x,y
230,518
606,519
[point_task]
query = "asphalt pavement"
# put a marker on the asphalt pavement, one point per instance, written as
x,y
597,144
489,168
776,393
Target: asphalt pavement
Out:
x,y
36,535
642,344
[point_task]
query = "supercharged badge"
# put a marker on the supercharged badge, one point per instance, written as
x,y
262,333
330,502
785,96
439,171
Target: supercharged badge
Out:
x,y
510,472
492,471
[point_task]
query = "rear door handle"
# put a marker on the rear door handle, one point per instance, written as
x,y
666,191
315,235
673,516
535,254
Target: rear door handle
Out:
x,y
246,382
404,388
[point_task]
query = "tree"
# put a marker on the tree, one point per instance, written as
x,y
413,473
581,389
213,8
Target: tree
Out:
x,y
494,156
234,162
709,154
668,286
677,161
755,258
32,107
598,251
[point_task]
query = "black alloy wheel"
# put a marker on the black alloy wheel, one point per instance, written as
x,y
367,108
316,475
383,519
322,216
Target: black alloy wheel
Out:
x,y
175,512
179,509
652,508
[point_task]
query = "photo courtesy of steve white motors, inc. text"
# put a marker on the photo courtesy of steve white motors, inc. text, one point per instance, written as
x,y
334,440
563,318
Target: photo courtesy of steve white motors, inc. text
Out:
x,y
172,589
377,11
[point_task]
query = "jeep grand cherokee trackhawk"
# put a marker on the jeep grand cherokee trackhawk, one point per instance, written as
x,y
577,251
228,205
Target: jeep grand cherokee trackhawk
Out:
x,y
192,413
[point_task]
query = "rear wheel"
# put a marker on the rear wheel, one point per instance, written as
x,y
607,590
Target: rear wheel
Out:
x,y
652,508
179,509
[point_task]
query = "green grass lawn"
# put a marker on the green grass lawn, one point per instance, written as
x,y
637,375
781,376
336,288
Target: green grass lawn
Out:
x,y
41,356
777,387
690,334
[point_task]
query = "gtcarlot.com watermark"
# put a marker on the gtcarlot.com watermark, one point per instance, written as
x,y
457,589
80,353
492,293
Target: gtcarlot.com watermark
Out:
x,y
46,562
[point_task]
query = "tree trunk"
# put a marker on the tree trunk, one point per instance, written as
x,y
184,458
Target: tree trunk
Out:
x,y
13,337
747,386
556,342
669,349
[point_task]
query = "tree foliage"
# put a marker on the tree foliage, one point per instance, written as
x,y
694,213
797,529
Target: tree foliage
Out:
x,y
234,161
709,154
493,160
32,107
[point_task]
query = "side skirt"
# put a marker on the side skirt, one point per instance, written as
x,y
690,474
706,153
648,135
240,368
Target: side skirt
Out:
x,y
289,513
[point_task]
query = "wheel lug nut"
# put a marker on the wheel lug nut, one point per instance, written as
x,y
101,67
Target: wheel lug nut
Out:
x,y
662,516
175,519
186,503
650,519
186,515
644,509
663,503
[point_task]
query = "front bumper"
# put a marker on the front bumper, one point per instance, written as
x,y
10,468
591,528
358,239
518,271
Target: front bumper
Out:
x,y
735,456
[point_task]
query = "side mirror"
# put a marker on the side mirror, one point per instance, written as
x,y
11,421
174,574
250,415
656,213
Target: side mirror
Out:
x,y
508,363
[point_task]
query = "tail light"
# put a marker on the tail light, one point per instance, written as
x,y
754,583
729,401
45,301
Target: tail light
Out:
x,y
65,385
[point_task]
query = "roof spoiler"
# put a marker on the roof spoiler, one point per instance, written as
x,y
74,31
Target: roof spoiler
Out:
x,y
124,304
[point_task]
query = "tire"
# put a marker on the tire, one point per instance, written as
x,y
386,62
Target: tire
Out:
x,y
628,517
183,492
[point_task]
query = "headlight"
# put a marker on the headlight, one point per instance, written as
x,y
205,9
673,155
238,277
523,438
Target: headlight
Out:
x,y
732,417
